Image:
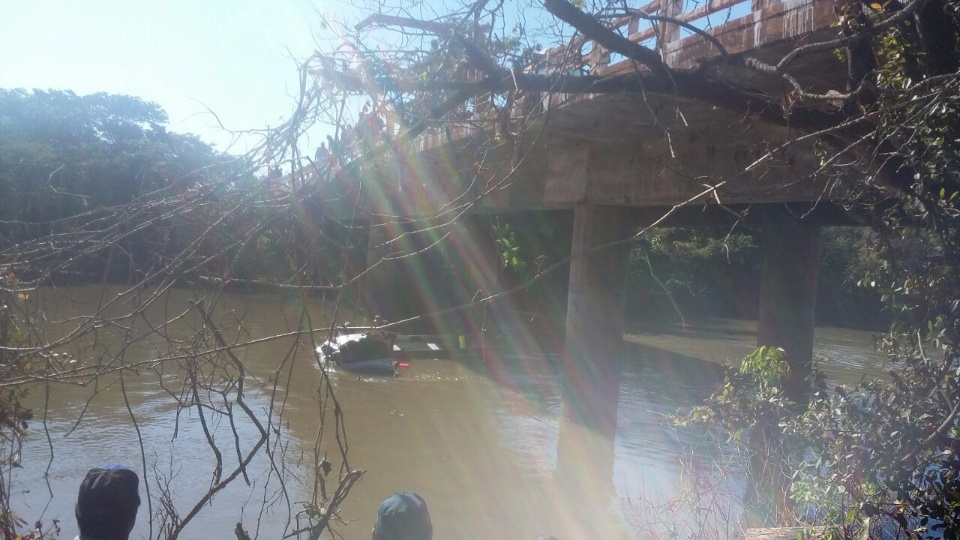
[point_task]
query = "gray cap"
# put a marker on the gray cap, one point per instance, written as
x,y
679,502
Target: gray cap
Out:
x,y
403,516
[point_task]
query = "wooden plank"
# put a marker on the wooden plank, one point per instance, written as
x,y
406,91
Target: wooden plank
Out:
x,y
409,347
440,354
422,354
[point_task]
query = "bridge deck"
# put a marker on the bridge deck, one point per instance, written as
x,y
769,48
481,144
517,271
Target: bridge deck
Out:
x,y
627,148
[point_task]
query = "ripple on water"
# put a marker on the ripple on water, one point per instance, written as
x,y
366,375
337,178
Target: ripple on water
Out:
x,y
477,440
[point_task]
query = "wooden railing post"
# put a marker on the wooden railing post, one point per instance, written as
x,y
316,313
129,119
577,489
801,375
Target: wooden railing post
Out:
x,y
599,57
745,32
669,33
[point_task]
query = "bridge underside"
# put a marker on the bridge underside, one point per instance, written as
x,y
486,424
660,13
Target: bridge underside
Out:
x,y
622,150
614,162
465,266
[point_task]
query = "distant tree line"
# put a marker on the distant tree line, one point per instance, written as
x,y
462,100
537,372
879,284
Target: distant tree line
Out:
x,y
703,272
70,165
94,190
690,273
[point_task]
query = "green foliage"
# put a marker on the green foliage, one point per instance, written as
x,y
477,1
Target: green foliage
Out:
x,y
13,415
872,450
63,154
709,272
510,254
750,397
71,164
751,409
702,271
879,459
94,188
854,453
847,254
767,366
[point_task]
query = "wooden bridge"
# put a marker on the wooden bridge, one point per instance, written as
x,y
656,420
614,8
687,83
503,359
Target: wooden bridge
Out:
x,y
608,157
644,145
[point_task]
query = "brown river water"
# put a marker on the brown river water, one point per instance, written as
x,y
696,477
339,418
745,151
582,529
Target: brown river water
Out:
x,y
476,439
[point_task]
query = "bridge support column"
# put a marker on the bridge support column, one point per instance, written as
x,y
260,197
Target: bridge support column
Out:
x,y
593,348
788,292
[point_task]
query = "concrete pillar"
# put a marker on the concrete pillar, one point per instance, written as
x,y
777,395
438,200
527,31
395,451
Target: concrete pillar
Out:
x,y
593,348
788,293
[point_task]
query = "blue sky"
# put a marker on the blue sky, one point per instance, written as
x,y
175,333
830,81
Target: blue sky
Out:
x,y
237,58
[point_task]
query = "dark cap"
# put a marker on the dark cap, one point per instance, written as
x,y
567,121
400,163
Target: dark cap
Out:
x,y
110,489
403,516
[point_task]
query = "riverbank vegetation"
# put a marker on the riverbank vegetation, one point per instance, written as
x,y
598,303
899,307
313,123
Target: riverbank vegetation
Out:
x,y
695,273
879,459
95,191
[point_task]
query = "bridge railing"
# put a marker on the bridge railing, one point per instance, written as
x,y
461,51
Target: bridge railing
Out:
x,y
737,25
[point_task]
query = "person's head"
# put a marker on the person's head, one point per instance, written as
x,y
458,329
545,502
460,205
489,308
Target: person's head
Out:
x,y
107,503
403,516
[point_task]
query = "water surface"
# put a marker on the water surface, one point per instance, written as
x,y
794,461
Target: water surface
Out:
x,y
476,438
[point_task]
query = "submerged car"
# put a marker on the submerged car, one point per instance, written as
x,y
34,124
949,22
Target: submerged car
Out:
x,y
367,353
